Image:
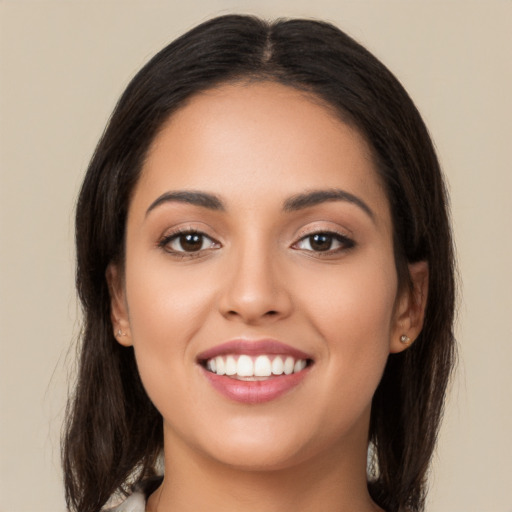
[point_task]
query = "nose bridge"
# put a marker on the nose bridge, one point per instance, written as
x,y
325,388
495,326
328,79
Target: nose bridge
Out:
x,y
254,287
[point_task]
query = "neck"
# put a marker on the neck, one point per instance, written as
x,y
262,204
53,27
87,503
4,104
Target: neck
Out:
x,y
334,481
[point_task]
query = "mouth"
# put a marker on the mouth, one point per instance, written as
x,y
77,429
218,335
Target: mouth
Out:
x,y
254,371
251,368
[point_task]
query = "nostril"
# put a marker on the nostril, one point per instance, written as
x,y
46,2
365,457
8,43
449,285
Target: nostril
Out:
x,y
232,313
272,312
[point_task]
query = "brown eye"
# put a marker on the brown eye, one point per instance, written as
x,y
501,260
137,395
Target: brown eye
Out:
x,y
188,242
324,242
320,242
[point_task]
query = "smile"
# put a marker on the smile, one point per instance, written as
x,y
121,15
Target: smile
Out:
x,y
254,371
247,367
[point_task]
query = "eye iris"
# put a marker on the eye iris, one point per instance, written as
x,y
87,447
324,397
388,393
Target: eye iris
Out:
x,y
320,242
191,242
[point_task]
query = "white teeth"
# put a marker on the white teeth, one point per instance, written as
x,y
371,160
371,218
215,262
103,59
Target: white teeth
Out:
x,y
277,366
230,365
288,365
210,365
220,366
299,365
260,366
245,367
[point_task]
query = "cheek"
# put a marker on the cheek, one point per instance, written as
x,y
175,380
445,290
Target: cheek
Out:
x,y
353,311
356,299
165,311
165,302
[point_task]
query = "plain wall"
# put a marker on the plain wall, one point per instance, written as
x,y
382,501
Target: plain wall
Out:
x,y
63,64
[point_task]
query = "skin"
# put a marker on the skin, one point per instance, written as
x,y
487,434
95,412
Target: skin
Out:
x,y
257,276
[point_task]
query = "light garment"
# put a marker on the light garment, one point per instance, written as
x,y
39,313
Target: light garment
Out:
x,y
136,502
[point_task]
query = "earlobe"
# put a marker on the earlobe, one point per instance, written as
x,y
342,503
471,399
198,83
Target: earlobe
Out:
x,y
118,307
410,312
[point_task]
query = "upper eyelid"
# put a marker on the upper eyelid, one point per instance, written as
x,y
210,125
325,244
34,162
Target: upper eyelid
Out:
x,y
175,234
334,234
171,236
303,233
185,228
347,241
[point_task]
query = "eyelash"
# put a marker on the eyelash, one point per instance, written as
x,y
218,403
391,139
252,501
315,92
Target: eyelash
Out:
x,y
176,235
345,242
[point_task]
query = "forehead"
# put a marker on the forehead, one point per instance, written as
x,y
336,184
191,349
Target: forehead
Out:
x,y
259,139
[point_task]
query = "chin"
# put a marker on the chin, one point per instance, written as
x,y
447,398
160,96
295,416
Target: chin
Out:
x,y
259,458
266,448
251,446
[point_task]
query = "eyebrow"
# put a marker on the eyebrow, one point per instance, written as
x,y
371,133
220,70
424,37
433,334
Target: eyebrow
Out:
x,y
315,197
203,199
294,203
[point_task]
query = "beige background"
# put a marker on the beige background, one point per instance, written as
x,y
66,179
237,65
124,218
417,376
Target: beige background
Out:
x,y
63,65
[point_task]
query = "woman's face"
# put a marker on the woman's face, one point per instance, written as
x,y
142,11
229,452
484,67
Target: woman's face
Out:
x,y
259,244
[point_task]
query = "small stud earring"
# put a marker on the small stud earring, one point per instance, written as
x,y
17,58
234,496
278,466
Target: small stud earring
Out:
x,y
405,339
120,333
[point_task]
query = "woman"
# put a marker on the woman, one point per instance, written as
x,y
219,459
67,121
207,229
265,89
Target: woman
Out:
x,y
265,265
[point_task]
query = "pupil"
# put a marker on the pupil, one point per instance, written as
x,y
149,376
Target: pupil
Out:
x,y
321,242
191,242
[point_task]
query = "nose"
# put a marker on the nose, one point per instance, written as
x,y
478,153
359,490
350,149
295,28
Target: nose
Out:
x,y
254,290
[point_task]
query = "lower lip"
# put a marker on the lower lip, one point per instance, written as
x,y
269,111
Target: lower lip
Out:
x,y
257,391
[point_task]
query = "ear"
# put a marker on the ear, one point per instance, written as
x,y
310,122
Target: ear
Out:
x,y
118,305
410,310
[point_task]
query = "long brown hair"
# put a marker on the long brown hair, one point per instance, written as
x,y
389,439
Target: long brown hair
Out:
x,y
113,433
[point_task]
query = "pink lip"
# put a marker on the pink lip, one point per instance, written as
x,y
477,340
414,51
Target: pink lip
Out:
x,y
259,391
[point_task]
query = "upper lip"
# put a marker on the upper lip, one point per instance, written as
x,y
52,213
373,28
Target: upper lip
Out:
x,y
252,347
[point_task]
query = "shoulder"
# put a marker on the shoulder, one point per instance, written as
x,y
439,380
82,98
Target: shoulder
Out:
x,y
136,502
